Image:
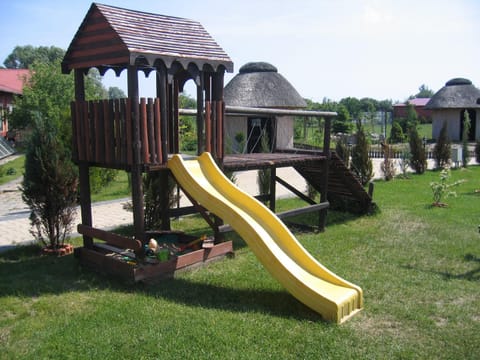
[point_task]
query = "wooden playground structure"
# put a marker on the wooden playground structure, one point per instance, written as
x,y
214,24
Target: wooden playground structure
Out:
x,y
139,135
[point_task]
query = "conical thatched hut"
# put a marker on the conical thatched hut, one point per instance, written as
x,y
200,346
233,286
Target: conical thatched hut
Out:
x,y
259,85
449,105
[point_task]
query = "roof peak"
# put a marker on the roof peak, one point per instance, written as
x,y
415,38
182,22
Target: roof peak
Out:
x,y
257,66
458,81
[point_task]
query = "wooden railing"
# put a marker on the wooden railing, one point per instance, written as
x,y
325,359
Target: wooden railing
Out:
x,y
104,132
107,133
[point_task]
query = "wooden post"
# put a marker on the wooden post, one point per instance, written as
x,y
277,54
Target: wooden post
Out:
x,y
162,95
136,169
83,168
273,182
200,118
324,185
162,84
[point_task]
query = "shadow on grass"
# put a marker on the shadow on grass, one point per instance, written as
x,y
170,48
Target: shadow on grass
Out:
x,y
23,273
472,275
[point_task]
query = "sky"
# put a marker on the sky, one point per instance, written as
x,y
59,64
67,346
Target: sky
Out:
x,y
382,49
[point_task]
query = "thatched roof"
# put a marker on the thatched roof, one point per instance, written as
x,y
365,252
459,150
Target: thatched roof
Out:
x,y
258,84
457,93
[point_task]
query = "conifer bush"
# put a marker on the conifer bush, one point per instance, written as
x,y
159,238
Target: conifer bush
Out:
x,y
49,186
361,163
418,160
442,149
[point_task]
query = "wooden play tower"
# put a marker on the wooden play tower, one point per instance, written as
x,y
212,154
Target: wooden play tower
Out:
x,y
138,135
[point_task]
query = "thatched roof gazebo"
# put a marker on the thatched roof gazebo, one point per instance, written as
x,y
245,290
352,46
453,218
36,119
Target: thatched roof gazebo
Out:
x,y
258,84
449,105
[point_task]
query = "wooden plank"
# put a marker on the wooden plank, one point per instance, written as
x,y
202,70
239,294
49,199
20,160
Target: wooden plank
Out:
x,y
151,132
144,132
109,130
158,130
304,210
87,124
208,126
109,237
117,131
128,132
219,132
96,134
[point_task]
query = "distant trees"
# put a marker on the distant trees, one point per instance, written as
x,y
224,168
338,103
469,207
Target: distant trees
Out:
x,y
423,92
23,57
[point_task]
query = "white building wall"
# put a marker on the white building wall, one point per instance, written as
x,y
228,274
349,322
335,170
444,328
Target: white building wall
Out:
x,y
452,117
285,132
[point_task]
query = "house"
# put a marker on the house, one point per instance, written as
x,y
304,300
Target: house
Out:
x,y
400,110
259,85
449,105
11,84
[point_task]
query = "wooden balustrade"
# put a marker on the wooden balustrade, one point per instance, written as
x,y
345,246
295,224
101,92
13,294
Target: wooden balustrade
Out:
x,y
103,132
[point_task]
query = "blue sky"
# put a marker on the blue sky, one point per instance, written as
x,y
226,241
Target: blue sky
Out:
x,y
383,49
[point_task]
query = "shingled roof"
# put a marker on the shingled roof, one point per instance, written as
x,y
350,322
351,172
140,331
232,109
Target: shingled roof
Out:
x,y
258,84
457,93
13,80
112,37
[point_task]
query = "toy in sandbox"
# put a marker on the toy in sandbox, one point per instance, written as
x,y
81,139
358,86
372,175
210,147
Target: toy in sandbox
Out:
x,y
141,136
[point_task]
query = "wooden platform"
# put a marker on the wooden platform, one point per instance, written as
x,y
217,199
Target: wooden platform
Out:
x,y
237,162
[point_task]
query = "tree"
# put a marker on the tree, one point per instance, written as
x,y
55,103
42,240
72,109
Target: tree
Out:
x,y
23,57
49,186
115,93
465,133
361,163
418,160
396,133
353,106
423,92
342,123
442,149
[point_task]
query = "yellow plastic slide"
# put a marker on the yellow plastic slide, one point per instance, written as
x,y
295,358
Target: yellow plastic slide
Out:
x,y
271,241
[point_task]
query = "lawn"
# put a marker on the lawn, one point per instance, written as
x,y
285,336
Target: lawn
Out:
x,y
419,267
12,169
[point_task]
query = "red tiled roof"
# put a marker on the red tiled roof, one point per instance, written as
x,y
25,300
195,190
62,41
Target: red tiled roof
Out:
x,y
12,80
415,102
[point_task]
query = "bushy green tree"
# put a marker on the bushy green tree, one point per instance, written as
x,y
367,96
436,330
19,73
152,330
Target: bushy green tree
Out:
x,y
342,123
442,149
396,133
361,163
418,160
49,186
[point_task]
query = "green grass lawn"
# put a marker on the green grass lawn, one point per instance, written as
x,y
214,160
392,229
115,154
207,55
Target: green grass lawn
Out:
x,y
12,169
419,267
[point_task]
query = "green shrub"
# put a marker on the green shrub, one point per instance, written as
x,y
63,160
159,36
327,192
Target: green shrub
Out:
x,y
49,185
361,163
442,149
396,133
418,160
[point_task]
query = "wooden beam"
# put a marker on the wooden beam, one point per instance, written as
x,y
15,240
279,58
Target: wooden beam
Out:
x,y
110,238
295,191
